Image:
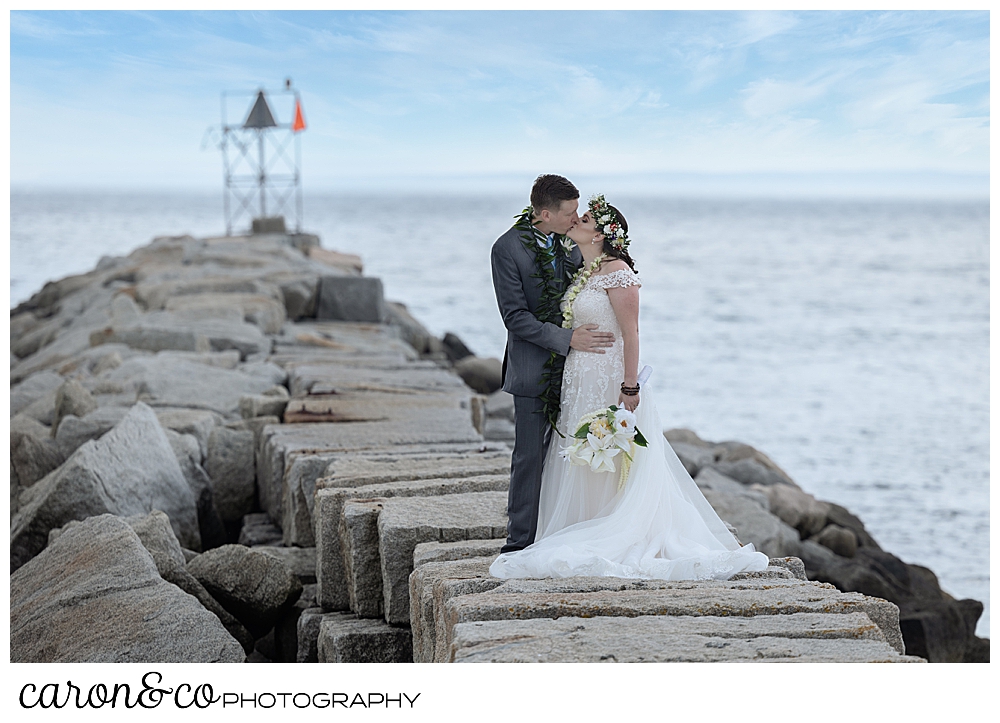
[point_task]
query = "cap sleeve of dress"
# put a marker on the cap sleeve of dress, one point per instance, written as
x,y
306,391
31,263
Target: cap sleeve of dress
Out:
x,y
617,279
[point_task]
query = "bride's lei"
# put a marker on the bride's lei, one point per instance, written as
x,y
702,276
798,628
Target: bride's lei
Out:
x,y
548,304
576,286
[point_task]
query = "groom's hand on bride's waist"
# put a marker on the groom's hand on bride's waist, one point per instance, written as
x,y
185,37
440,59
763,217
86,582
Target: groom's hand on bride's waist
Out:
x,y
588,338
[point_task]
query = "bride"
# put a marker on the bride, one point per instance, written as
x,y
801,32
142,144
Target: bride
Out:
x,y
658,525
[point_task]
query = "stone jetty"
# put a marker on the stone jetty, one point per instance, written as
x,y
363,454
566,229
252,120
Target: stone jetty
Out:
x,y
235,449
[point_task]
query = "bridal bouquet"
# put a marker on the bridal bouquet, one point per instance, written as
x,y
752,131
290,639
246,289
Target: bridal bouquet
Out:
x,y
600,436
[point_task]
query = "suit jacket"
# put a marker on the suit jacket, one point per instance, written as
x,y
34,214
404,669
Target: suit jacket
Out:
x,y
529,341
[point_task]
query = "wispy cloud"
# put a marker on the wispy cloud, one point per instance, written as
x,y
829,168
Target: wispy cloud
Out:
x,y
467,92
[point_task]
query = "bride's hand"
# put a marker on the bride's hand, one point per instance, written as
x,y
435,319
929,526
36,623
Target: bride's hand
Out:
x,y
630,403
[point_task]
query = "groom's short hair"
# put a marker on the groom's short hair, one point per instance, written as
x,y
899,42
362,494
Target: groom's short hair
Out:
x,y
550,190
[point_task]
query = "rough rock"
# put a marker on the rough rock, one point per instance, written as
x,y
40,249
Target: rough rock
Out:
x,y
199,423
300,561
497,429
308,626
163,382
347,298
33,388
404,522
412,331
285,635
455,348
271,403
361,569
333,555
258,530
803,637
64,347
749,466
156,536
262,310
95,596
345,639
280,444
500,405
427,552
32,456
839,539
796,508
74,431
189,330
188,453
229,359
610,597
432,584
934,625
693,457
130,470
42,410
252,586
231,469
482,374
747,511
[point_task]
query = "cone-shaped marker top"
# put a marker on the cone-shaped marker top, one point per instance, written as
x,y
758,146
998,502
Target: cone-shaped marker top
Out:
x,y
299,124
260,115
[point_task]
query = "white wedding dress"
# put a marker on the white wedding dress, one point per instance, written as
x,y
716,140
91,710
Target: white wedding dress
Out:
x,y
659,525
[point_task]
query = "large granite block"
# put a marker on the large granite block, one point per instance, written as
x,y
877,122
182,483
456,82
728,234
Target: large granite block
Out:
x,y
351,298
332,555
432,584
427,552
131,470
362,568
345,639
304,468
469,460
94,596
405,522
281,444
799,637
307,628
611,597
339,378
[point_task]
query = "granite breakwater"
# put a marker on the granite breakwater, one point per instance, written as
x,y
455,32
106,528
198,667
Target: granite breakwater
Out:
x,y
235,449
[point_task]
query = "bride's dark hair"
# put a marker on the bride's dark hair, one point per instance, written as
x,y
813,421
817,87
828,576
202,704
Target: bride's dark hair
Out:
x,y
615,252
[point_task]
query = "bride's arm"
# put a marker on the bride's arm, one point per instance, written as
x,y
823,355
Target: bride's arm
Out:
x,y
625,302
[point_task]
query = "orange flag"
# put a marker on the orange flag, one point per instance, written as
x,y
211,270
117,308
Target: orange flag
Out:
x,y
299,124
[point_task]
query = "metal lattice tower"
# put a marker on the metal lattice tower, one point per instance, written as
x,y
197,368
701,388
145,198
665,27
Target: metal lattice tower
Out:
x,y
261,158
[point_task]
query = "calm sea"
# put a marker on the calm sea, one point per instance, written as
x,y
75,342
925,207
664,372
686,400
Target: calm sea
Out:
x,y
848,340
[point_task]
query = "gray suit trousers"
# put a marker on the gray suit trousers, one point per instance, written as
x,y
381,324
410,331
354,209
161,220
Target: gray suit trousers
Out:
x,y
531,442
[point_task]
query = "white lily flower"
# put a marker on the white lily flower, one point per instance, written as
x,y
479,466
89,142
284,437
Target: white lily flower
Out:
x,y
581,454
621,233
604,451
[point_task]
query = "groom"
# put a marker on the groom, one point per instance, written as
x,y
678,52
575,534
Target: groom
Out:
x,y
529,266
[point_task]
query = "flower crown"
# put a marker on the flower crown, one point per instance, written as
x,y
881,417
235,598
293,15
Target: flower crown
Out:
x,y
607,222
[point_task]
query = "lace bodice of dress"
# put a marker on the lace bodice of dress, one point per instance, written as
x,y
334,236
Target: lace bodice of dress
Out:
x,y
591,381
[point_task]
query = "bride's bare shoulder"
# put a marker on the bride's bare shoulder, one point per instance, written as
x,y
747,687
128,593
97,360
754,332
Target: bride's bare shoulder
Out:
x,y
612,266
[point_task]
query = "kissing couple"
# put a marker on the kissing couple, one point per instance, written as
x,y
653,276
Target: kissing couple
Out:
x,y
590,494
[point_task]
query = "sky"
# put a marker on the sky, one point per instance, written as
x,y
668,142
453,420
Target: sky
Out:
x,y
823,100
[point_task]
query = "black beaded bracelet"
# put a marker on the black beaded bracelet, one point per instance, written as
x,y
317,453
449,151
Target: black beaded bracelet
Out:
x,y
630,391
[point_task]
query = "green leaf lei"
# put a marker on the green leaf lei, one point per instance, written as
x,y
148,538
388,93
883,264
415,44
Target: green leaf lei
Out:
x,y
548,305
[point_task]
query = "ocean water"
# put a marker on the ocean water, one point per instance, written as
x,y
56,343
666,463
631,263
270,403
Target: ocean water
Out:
x,y
848,340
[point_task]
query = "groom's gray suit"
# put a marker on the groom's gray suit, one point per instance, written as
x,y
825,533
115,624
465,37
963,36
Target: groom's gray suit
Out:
x,y
529,343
